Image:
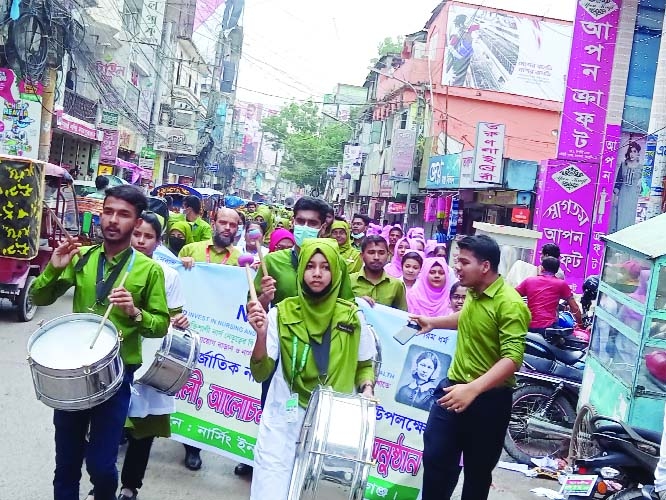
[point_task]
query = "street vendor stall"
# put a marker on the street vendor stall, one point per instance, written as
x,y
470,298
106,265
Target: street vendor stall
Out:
x,y
625,371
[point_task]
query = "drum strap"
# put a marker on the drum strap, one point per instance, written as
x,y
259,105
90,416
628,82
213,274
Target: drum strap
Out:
x,y
85,258
322,352
104,286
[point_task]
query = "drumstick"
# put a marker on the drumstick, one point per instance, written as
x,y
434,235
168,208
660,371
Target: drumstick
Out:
x,y
245,260
256,236
108,311
58,223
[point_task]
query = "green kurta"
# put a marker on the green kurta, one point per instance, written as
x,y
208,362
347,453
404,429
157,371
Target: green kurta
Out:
x,y
351,256
201,230
145,282
198,252
389,291
281,265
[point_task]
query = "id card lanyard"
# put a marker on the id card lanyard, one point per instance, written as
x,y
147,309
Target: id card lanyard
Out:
x,y
291,405
226,258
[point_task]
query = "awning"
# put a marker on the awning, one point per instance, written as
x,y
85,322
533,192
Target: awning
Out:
x,y
137,171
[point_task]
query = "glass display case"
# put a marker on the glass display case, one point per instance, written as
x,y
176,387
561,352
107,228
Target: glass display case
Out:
x,y
625,370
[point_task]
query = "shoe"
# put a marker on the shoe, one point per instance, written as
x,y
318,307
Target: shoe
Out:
x,y
127,494
193,460
243,470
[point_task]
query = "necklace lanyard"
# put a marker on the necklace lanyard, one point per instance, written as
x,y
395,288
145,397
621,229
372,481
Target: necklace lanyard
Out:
x,y
103,287
226,258
304,358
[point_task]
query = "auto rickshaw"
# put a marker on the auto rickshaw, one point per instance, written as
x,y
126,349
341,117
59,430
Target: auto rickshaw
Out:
x,y
32,195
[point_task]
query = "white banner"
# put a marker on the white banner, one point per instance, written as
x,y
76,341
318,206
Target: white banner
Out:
x,y
489,153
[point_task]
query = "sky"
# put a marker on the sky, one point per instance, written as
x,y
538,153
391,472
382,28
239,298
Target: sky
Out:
x,y
300,49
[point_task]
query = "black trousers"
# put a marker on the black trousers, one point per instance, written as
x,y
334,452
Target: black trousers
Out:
x,y
136,461
478,433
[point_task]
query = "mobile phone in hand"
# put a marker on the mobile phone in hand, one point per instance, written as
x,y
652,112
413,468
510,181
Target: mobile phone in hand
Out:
x,y
407,332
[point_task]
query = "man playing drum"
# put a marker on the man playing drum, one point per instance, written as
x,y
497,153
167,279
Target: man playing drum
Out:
x,y
140,311
314,338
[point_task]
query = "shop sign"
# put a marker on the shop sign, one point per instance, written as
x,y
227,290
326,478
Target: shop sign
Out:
x,y
109,120
147,163
588,80
147,152
444,172
386,186
396,208
105,170
21,116
489,152
467,172
497,197
75,126
176,140
127,139
520,215
402,153
109,147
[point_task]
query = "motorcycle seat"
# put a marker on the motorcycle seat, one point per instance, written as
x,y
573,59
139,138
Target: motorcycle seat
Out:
x,y
566,356
617,429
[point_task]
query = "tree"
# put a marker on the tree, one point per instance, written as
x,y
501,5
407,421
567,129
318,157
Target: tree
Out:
x,y
388,46
309,147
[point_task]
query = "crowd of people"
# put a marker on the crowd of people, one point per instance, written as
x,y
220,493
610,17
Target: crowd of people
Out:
x,y
308,332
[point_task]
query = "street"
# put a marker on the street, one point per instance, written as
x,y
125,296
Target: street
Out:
x,y
27,460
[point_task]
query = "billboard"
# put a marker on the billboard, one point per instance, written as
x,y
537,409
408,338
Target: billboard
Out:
x,y
249,143
176,140
403,147
505,52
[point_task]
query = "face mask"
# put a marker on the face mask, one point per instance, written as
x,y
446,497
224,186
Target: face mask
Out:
x,y
304,232
175,244
263,226
358,236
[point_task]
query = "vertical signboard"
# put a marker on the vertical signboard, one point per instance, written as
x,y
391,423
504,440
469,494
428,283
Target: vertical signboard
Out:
x,y
489,152
402,157
564,214
603,201
588,80
646,178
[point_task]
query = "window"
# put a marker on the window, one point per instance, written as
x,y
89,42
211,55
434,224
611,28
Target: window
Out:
x,y
403,119
189,81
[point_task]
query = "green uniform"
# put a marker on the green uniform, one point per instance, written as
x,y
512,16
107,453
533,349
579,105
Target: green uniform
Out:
x,y
492,326
282,265
389,291
197,251
201,230
145,282
351,256
306,319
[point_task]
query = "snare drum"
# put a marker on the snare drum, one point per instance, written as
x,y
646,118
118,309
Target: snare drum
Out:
x,y
334,452
66,373
168,362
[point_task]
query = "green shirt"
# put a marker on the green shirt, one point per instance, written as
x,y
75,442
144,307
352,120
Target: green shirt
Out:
x,y
389,291
281,265
492,326
201,230
197,251
145,282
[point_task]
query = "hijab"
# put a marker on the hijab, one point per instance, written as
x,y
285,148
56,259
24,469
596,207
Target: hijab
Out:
x,y
416,232
394,268
265,213
422,298
277,236
431,247
317,312
350,255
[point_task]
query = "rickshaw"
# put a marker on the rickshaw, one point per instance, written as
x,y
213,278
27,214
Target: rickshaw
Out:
x,y
625,370
32,195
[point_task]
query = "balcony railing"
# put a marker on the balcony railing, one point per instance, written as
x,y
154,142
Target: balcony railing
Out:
x,y
80,107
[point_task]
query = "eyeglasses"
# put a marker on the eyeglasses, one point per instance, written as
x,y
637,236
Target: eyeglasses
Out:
x,y
458,298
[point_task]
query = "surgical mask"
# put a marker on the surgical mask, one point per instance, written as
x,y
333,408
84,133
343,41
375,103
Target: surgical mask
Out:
x,y
304,232
358,236
175,244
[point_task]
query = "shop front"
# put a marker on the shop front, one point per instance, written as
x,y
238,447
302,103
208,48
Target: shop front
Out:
x,y
75,144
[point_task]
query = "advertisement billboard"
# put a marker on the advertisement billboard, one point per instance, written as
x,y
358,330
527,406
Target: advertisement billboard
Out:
x,y
402,153
176,140
444,172
248,117
505,52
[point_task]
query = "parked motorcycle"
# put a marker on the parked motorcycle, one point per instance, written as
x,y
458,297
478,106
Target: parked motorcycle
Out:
x,y
625,462
543,410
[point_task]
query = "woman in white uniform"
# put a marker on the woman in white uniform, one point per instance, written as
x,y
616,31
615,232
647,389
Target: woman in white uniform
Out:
x,y
315,338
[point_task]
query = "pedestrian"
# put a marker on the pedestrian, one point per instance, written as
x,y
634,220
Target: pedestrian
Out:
x,y
457,297
315,324
218,250
264,217
180,234
352,257
201,230
473,403
412,262
394,268
394,235
281,239
359,227
150,410
372,283
140,311
101,184
430,293
552,250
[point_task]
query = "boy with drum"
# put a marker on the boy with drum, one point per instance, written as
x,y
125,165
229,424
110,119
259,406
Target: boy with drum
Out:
x,y
140,311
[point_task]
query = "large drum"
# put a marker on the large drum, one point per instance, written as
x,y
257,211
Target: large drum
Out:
x,y
169,361
66,373
334,452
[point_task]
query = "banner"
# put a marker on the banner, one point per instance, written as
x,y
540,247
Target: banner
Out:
x,y
403,149
489,153
444,171
218,408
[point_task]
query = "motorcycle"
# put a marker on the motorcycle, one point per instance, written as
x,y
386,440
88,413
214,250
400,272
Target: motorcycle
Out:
x,y
543,409
624,463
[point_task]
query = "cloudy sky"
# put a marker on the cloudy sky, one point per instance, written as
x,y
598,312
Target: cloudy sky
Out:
x,y
296,49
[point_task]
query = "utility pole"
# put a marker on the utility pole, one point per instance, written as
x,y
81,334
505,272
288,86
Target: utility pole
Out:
x,y
48,106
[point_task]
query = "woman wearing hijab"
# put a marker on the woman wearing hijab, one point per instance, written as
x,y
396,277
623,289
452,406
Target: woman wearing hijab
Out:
x,y
180,234
341,233
296,335
394,268
430,294
264,217
281,239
